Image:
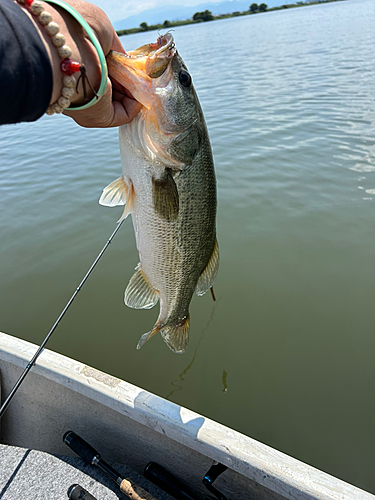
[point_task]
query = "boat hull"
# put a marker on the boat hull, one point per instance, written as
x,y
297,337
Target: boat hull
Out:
x,y
132,426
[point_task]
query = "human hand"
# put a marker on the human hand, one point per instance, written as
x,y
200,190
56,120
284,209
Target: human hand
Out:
x,y
117,106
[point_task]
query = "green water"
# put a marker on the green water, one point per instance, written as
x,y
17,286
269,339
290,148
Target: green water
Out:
x,y
286,354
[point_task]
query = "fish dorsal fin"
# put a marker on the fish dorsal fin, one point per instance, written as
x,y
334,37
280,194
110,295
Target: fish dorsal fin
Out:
x,y
115,193
165,196
139,294
208,276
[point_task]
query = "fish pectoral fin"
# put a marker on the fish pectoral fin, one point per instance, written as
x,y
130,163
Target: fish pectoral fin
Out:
x,y
115,193
175,336
208,276
139,294
129,203
165,196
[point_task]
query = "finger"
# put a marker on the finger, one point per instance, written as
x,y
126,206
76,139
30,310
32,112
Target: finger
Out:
x,y
124,111
118,95
106,113
119,89
116,85
99,115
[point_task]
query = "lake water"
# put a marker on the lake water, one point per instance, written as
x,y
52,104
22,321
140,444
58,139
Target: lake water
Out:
x,y
286,354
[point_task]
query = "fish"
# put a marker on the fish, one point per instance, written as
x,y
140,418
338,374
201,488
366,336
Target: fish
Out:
x,y
168,186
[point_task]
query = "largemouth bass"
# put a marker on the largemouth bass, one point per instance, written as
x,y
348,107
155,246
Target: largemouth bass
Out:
x,y
168,186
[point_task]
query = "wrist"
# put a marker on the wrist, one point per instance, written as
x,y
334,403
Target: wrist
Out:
x,y
86,55
75,44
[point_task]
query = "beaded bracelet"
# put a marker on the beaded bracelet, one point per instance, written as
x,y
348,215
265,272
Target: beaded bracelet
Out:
x,y
67,65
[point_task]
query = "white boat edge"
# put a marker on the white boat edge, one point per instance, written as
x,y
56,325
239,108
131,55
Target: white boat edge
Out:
x,y
279,473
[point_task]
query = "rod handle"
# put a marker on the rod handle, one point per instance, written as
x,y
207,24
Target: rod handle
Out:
x,y
80,446
167,482
133,491
76,492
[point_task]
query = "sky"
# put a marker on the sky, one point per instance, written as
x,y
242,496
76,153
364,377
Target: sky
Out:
x,y
117,10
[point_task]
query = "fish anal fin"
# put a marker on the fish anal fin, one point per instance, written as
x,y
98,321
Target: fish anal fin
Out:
x,y
165,196
139,294
208,276
175,336
146,336
115,193
129,203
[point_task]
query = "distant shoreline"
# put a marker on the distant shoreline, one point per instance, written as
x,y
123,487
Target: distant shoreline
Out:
x,y
170,24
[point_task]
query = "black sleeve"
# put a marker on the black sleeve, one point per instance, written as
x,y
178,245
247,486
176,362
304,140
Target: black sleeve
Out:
x,y
25,69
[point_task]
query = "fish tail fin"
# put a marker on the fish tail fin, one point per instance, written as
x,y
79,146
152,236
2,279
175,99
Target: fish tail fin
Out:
x,y
175,336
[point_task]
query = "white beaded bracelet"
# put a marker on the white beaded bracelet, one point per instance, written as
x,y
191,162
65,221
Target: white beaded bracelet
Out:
x,y
67,65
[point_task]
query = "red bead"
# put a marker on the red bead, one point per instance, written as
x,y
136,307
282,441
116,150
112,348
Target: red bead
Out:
x,y
68,66
28,2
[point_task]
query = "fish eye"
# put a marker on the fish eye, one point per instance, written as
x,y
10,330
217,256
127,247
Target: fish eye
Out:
x,y
185,78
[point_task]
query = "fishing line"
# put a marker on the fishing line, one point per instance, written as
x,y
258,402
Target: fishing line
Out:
x,y
42,345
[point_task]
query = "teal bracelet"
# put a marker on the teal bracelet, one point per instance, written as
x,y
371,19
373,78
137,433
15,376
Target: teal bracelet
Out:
x,y
94,40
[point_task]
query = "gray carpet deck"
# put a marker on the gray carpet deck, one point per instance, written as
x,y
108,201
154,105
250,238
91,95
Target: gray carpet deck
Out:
x,y
33,475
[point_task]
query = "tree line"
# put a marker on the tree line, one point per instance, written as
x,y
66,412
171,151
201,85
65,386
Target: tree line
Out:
x,y
207,15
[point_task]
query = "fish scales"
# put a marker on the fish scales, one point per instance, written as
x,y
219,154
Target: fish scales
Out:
x,y
168,186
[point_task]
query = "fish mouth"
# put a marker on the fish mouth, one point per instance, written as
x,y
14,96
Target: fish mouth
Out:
x,y
164,46
148,61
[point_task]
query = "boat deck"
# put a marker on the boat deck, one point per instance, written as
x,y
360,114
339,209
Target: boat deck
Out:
x,y
36,475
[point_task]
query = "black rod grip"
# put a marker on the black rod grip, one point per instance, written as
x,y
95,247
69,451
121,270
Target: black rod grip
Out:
x,y
80,447
76,492
215,472
167,482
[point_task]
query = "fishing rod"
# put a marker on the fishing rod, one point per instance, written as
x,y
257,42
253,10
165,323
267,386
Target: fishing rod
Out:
x,y
153,472
84,450
177,489
77,492
42,345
